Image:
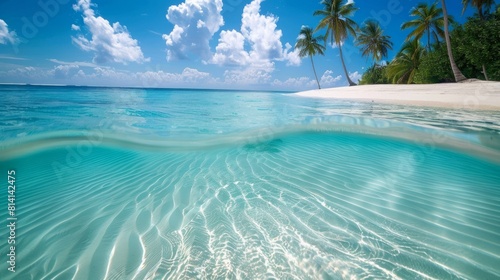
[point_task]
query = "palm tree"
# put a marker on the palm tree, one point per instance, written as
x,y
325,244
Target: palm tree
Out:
x,y
338,25
428,19
456,72
405,65
373,41
479,5
310,46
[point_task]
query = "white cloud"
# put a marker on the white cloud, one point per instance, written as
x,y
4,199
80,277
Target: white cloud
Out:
x,y
260,33
231,50
75,27
100,76
27,69
333,44
25,74
248,76
292,57
355,77
304,83
195,22
12,57
76,63
328,80
300,83
64,71
189,77
7,36
73,73
108,42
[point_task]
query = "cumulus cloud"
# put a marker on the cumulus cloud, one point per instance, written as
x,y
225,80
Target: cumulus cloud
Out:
x,y
248,76
65,71
254,49
188,77
328,80
355,77
75,27
27,69
295,83
24,74
231,50
260,33
7,36
110,43
74,74
195,22
292,57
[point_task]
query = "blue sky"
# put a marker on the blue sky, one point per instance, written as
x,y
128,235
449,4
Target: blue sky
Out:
x,y
237,44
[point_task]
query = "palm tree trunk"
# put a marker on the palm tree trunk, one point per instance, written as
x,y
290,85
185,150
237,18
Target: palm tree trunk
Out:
x,y
314,69
481,17
484,72
428,39
480,12
456,72
351,83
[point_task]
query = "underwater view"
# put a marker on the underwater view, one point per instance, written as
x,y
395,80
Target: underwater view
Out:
x,y
186,184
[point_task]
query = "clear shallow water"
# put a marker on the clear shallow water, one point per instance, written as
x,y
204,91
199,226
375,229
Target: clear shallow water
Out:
x,y
153,184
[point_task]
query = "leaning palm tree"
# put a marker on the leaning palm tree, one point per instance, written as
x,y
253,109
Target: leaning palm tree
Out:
x,y
310,46
338,25
373,42
454,68
428,20
404,66
480,5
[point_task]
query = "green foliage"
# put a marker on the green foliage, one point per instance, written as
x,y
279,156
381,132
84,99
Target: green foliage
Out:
x,y
336,19
474,43
479,43
403,68
434,67
308,44
480,5
375,75
372,41
427,19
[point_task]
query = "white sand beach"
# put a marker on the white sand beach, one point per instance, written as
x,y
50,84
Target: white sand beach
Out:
x,y
472,94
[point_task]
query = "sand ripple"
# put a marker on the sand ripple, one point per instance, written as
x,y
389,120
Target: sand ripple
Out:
x,y
297,206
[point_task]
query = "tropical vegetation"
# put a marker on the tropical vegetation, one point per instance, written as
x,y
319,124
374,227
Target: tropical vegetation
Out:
x,y
436,50
335,18
480,5
373,42
309,45
429,20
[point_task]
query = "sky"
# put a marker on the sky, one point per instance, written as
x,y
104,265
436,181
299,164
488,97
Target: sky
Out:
x,y
223,44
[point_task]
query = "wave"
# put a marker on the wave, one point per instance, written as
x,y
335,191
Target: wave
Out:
x,y
482,144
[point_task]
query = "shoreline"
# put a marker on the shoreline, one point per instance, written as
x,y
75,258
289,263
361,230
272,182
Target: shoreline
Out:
x,y
471,94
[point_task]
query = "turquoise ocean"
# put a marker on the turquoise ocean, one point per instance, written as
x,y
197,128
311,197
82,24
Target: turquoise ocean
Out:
x,y
115,183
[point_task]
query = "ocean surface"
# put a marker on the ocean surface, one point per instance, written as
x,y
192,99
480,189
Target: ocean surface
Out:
x,y
118,183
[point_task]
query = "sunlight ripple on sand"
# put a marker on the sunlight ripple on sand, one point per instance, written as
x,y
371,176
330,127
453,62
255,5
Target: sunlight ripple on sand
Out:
x,y
300,206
